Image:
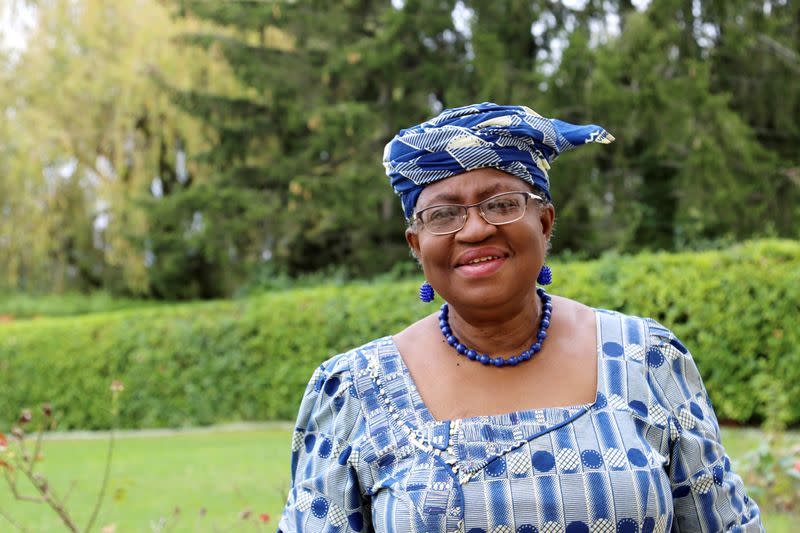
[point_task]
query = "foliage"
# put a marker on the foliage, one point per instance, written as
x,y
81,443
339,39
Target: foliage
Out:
x,y
250,359
771,474
19,461
87,137
185,155
17,306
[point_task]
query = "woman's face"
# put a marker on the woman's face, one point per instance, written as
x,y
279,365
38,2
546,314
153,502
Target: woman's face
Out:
x,y
481,264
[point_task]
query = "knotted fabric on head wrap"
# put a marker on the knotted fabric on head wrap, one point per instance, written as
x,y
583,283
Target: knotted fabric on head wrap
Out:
x,y
514,139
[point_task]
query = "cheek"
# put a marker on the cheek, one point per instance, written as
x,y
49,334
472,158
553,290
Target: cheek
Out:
x,y
434,256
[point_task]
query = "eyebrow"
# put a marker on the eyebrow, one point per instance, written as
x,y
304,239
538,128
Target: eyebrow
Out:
x,y
452,198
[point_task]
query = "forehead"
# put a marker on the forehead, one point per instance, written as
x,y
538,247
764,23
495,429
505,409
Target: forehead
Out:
x,y
470,187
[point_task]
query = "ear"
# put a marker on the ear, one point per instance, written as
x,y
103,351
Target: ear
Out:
x,y
547,217
412,238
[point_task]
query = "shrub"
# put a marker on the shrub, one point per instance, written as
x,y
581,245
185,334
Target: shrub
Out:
x,y
192,364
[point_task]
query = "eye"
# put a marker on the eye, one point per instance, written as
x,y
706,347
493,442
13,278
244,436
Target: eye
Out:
x,y
504,203
440,214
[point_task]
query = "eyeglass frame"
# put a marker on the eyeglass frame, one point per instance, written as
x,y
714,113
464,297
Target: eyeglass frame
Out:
x,y
415,218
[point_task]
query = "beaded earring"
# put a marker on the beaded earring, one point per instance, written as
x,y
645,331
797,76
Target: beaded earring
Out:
x,y
545,276
426,293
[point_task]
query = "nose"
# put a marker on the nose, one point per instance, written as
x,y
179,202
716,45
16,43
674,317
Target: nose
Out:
x,y
475,229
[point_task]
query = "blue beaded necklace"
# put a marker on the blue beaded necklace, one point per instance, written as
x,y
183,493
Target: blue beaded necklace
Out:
x,y
486,359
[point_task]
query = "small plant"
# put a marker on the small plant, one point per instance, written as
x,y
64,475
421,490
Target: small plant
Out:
x,y
771,474
20,462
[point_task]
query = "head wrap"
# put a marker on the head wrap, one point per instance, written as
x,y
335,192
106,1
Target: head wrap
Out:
x,y
514,139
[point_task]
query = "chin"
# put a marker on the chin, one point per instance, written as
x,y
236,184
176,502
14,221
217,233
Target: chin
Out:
x,y
485,295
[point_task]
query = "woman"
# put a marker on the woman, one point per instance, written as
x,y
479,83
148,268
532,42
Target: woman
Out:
x,y
508,410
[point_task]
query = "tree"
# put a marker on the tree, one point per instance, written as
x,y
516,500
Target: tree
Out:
x,y
329,84
88,132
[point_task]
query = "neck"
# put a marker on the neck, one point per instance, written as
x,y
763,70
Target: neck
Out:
x,y
505,331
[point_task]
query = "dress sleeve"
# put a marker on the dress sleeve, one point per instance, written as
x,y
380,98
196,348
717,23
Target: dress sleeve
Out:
x,y
326,494
707,495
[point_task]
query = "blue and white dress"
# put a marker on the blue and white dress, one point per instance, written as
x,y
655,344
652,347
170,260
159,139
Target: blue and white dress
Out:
x,y
367,455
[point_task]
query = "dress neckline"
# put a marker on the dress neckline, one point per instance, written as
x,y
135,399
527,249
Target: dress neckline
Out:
x,y
510,417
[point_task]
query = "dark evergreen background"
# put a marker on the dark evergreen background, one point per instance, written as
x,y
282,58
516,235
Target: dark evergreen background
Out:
x,y
703,97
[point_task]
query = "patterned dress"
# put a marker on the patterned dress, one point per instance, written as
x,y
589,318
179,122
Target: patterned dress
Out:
x,y
367,455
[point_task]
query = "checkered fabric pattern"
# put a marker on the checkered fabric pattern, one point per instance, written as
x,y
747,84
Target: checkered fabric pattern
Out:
x,y
645,457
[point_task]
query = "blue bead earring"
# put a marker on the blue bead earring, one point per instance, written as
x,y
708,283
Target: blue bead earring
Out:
x,y
426,293
545,276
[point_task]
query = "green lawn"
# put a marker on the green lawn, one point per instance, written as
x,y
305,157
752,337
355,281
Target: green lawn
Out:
x,y
223,471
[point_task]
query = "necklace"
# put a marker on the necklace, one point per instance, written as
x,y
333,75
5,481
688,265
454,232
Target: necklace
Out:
x,y
486,359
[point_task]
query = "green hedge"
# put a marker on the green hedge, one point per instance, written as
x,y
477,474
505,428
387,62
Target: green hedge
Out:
x,y
738,311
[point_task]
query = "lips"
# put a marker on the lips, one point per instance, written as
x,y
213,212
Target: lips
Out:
x,y
481,261
478,255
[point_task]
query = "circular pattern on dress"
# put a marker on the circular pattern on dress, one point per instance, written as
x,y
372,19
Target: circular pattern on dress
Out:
x,y
696,410
600,402
627,525
638,407
319,507
331,386
577,527
591,459
497,467
527,528
356,521
325,447
702,483
309,442
681,491
654,357
613,349
543,461
636,457
614,458
568,460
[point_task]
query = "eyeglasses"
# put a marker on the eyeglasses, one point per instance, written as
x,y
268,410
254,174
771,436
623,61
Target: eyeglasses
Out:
x,y
500,209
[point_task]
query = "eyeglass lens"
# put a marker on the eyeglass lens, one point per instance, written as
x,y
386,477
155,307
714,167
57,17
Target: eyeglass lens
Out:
x,y
500,209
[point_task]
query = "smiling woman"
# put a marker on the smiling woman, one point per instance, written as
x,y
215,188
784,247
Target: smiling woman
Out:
x,y
509,410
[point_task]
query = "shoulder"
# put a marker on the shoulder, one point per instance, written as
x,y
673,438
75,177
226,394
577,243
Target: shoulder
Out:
x,y
643,337
336,386
671,378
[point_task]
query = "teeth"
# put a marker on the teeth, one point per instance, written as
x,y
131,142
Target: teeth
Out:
x,y
483,259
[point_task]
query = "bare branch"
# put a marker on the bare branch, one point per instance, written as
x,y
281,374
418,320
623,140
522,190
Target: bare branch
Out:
x,y
104,486
12,522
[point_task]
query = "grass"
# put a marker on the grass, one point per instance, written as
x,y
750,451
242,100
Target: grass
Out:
x,y
223,471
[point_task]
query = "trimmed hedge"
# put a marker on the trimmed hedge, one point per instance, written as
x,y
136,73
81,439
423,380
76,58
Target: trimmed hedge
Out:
x,y
738,311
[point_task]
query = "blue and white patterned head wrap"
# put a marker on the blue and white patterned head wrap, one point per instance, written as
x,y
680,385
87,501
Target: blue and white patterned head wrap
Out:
x,y
514,139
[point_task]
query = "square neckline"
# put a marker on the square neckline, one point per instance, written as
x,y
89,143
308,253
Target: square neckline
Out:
x,y
505,418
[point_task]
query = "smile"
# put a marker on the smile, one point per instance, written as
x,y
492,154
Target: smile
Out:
x,y
481,267
483,259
